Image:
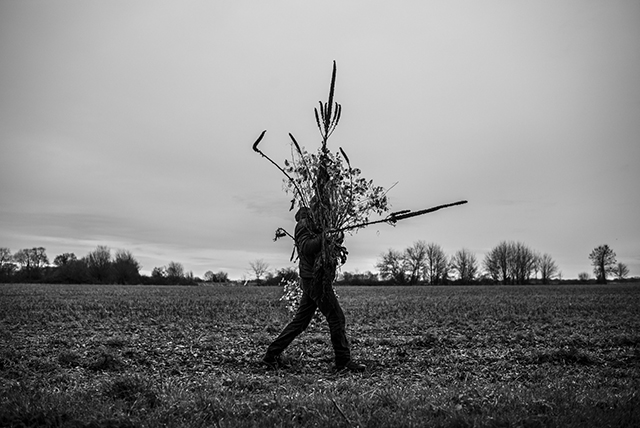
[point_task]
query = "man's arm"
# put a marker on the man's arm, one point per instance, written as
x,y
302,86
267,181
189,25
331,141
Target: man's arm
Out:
x,y
308,243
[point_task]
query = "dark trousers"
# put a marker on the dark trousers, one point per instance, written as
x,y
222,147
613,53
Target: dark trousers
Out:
x,y
332,311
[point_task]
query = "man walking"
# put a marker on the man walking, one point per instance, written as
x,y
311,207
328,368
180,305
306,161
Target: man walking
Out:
x,y
308,241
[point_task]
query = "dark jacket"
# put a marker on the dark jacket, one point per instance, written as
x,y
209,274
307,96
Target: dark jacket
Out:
x,y
308,242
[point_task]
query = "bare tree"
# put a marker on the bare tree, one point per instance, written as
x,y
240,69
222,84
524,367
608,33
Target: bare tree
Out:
x,y
498,262
621,271
5,255
175,270
583,277
465,264
436,264
159,272
416,259
524,262
99,263
392,266
7,265
259,268
40,258
511,263
21,257
64,258
126,268
221,276
603,260
31,260
547,267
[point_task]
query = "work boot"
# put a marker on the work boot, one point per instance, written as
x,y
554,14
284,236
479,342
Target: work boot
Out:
x,y
274,362
350,366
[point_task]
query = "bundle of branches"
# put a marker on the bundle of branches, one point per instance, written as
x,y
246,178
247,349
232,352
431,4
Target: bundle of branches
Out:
x,y
338,196
335,193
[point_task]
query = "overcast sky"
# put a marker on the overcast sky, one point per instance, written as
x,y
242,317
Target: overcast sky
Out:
x,y
130,124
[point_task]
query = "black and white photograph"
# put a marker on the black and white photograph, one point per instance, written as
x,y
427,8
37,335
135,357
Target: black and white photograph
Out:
x,y
332,214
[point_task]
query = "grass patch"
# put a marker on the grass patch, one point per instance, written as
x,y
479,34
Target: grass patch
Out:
x,y
436,356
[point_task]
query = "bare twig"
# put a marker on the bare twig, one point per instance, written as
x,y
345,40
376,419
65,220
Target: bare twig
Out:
x,y
399,215
257,150
280,232
304,162
341,412
391,219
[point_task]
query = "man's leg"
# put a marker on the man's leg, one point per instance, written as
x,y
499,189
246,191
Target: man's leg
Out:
x,y
330,308
298,324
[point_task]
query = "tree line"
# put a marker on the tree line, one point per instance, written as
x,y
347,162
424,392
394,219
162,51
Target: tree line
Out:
x,y
99,266
509,262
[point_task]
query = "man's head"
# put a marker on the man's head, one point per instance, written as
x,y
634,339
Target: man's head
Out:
x,y
303,212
